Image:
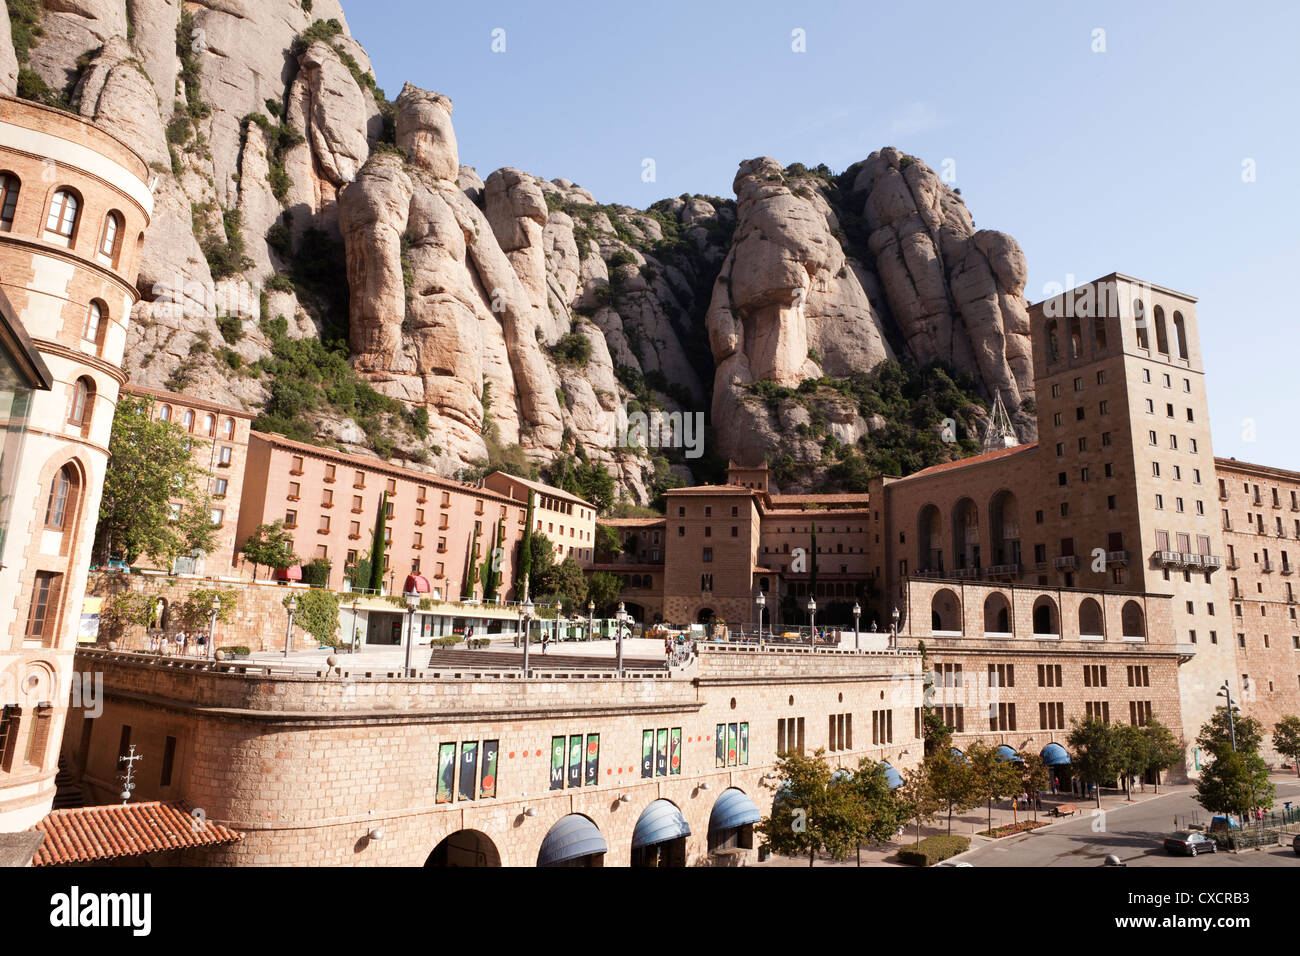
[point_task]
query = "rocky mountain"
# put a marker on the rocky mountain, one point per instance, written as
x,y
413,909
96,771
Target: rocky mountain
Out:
x,y
319,254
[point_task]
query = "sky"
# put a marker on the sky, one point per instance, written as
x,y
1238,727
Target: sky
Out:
x,y
1165,146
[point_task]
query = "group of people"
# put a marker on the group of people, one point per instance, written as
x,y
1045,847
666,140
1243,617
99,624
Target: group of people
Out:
x,y
178,645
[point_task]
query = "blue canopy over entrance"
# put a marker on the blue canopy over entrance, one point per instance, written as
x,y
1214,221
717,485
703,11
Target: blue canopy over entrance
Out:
x,y
659,822
733,809
571,837
1054,755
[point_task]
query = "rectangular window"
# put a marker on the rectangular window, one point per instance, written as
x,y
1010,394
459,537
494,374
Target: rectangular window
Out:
x,y
39,740
169,759
10,719
43,614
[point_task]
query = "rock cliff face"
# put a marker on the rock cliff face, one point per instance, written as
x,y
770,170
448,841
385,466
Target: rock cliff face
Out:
x,y
511,311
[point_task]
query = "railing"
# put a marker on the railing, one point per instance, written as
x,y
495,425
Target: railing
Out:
x,y
1117,557
1066,562
1002,570
1168,559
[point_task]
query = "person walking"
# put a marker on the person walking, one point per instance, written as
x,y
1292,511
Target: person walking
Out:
x,y
546,641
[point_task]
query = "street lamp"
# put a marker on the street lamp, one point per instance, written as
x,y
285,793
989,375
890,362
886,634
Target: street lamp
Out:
x,y
761,600
212,627
288,634
591,619
526,612
893,628
355,602
619,626
857,613
812,621
559,615
1226,692
412,602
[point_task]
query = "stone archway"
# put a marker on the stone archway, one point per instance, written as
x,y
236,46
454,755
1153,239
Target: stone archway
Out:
x,y
465,848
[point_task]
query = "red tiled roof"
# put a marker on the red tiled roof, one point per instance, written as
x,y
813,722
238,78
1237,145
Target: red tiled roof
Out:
x,y
631,522
86,834
973,460
781,501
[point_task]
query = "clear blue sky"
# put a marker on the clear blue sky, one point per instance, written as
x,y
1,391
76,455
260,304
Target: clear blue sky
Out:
x,y
1128,160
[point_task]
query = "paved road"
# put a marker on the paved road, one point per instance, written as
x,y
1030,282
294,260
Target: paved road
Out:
x,y
1133,833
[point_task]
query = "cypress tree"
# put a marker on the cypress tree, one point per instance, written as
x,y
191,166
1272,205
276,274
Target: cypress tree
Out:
x,y
525,564
378,545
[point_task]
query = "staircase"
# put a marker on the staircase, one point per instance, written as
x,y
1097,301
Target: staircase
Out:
x,y
446,658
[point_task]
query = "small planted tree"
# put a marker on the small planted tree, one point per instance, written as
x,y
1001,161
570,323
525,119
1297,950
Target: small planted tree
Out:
x,y
123,611
1220,731
1286,739
1235,782
1164,750
884,811
1034,775
195,612
317,614
920,797
992,778
269,546
1134,755
1098,752
809,815
952,783
378,545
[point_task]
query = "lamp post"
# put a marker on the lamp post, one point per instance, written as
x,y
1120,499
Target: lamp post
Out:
x,y
526,614
212,628
412,602
857,613
559,614
1226,692
355,602
812,621
761,600
288,634
893,629
591,619
619,625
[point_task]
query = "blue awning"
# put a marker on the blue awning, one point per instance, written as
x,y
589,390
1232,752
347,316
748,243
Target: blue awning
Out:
x,y
1006,753
571,837
892,776
659,822
1054,755
733,809
957,754
841,774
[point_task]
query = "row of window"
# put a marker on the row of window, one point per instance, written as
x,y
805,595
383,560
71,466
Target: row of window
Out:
x,y
12,722
189,418
472,776
63,221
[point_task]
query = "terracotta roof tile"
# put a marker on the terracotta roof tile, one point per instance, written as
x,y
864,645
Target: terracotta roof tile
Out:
x,y
973,460
86,834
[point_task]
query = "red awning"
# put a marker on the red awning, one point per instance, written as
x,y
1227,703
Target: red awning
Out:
x,y
417,583
293,573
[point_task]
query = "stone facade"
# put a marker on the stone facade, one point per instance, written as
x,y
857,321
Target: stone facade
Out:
x,y
76,207
308,765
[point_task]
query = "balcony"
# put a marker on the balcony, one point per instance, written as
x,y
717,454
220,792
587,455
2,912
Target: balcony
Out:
x,y
417,547
1066,562
1258,501
1287,568
442,549
329,479
295,471
420,523
1211,562
223,464
327,504
1167,559
1234,564
292,498
1117,557
1266,566
422,499
357,511
354,537
1003,571
358,484
322,530
965,573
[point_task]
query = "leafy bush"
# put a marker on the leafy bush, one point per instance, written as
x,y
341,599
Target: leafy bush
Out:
x,y
449,641
231,328
318,614
573,349
933,850
235,649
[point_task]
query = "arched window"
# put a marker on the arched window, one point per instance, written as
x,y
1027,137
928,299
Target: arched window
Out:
x,y
10,186
1053,347
109,240
945,612
83,403
1090,624
228,428
62,499
997,618
165,413
61,225
188,420
1140,321
1180,330
1045,616
1076,338
1162,334
95,315
1133,620
210,425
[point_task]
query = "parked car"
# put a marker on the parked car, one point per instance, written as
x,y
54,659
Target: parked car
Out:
x,y
1189,843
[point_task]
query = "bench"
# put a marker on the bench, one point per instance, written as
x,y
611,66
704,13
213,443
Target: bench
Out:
x,y
1063,810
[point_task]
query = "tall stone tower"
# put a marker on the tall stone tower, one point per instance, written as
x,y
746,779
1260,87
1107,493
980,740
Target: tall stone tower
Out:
x,y
75,202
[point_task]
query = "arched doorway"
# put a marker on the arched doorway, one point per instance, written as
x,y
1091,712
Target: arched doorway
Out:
x,y
929,539
660,836
705,616
731,824
1004,527
966,535
465,848
573,841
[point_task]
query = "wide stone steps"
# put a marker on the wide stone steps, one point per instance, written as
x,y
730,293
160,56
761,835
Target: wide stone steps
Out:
x,y
445,657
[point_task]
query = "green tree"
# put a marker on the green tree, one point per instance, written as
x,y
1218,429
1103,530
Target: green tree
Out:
x,y
917,791
317,614
1218,731
269,546
1098,752
603,589
1164,750
1134,755
471,569
378,544
523,567
993,778
195,612
1286,739
1235,782
608,546
122,611
541,561
567,583
1034,775
809,815
492,564
358,574
151,503
884,812
952,782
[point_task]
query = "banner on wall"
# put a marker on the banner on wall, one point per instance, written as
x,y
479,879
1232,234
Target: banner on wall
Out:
x,y
557,763
88,626
487,786
744,745
446,772
575,760
593,760
468,769
661,754
675,750
648,753
732,744
720,746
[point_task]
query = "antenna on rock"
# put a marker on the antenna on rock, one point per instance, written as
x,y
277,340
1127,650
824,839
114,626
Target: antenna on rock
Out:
x,y
999,434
